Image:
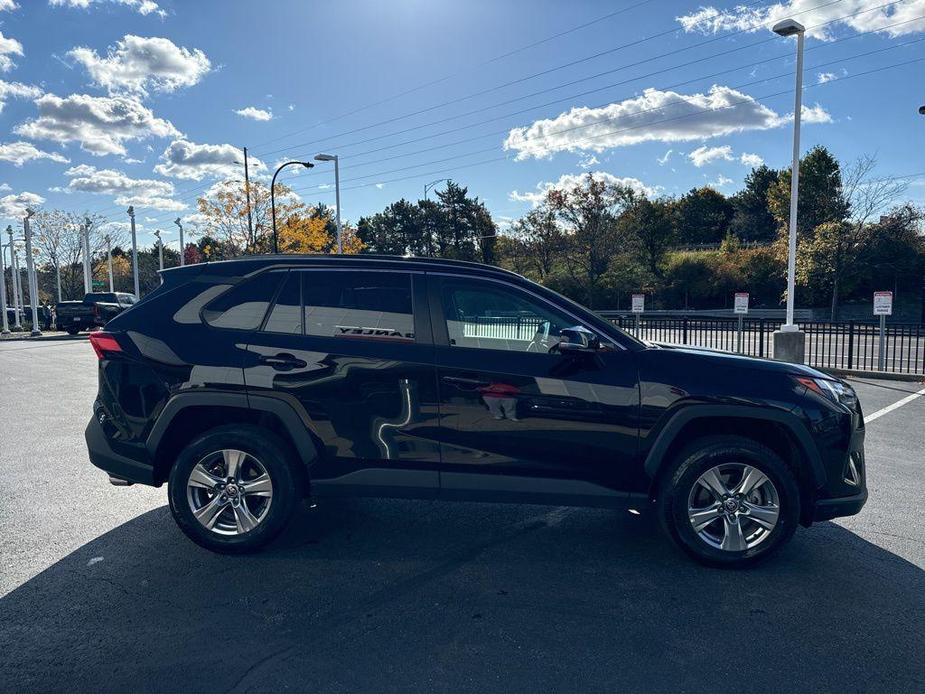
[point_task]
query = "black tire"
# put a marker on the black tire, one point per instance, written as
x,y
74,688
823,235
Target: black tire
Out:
x,y
271,454
72,330
699,457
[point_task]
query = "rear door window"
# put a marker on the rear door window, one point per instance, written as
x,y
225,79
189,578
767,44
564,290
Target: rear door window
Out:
x,y
357,304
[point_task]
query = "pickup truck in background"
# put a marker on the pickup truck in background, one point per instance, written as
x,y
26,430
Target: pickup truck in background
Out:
x,y
96,309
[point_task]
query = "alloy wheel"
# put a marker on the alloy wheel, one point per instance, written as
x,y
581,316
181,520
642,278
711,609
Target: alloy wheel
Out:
x,y
229,492
733,507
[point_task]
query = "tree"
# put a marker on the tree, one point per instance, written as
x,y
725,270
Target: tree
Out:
x,y
397,230
465,229
702,216
751,219
821,196
589,211
653,232
541,238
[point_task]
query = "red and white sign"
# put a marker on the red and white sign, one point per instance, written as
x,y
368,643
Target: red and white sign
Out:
x,y
741,302
639,303
883,303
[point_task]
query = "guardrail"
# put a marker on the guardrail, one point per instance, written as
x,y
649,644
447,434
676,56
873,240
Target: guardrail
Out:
x,y
852,345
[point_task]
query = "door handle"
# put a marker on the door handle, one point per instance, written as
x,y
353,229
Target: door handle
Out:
x,y
282,361
466,382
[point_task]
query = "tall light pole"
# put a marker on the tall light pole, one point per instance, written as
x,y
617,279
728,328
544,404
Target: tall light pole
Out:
x,y
30,273
6,321
88,273
160,250
131,216
247,192
788,341
182,247
334,158
14,270
428,186
307,165
109,261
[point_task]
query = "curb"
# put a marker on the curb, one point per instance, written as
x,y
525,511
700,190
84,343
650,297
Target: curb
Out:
x,y
881,375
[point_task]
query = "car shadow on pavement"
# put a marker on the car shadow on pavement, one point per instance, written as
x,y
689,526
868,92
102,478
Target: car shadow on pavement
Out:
x,y
380,595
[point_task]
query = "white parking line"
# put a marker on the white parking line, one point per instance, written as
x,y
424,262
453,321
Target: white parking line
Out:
x,y
889,408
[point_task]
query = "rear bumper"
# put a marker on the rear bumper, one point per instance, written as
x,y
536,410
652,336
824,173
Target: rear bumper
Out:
x,y
104,457
827,509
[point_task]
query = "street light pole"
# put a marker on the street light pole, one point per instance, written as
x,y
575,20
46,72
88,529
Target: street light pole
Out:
x,y
160,250
6,321
88,274
109,260
30,273
788,341
182,248
307,165
131,216
336,160
428,186
247,192
14,269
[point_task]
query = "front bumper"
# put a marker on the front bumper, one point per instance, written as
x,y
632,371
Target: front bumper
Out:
x,y
116,464
827,509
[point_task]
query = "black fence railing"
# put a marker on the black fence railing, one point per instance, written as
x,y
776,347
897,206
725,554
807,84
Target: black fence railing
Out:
x,y
829,345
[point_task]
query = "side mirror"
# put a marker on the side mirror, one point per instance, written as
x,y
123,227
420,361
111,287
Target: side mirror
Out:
x,y
578,339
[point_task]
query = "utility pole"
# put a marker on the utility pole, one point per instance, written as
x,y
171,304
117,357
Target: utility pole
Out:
x,y
182,247
30,273
88,273
160,250
14,269
336,159
247,191
109,261
131,216
6,321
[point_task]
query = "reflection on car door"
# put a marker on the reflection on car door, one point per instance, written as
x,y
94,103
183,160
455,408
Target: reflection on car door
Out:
x,y
517,418
347,347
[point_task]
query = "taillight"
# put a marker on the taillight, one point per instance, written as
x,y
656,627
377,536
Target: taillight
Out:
x,y
104,343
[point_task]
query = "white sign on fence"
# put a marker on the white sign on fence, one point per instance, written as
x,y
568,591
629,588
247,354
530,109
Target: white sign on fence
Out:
x,y
741,302
883,303
639,303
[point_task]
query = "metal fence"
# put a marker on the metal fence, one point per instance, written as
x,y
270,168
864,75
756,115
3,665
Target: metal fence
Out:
x,y
829,345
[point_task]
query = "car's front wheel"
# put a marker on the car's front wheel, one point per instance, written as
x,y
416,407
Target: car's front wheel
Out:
x,y
232,489
729,501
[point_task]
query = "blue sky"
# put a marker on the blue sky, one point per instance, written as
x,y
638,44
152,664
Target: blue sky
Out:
x,y
107,103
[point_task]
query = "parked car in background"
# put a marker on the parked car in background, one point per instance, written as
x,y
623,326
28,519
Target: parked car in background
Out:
x,y
94,311
247,384
46,316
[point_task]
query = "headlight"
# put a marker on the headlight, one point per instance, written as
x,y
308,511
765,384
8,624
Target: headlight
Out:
x,y
834,391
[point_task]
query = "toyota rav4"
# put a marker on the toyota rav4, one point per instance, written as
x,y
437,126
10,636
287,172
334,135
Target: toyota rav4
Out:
x,y
248,384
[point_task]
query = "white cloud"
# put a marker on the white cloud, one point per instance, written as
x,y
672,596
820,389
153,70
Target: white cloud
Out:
x,y
255,113
139,192
17,90
5,187
662,160
569,181
720,182
292,107
14,206
144,7
588,161
192,161
8,5
18,153
811,114
662,116
380,186
139,64
100,124
704,155
752,160
710,20
8,47
824,77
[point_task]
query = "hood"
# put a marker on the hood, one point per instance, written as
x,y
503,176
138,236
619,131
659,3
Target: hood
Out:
x,y
740,361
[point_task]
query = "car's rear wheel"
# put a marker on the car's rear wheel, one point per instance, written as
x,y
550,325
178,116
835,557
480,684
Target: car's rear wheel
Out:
x,y
729,501
71,330
232,489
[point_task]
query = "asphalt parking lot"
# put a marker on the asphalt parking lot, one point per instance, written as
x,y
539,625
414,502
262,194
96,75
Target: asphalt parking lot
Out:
x,y
101,592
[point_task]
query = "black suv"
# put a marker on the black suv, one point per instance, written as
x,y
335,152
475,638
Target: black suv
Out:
x,y
248,384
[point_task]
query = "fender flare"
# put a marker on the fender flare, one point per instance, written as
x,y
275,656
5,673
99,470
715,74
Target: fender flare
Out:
x,y
689,413
298,430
